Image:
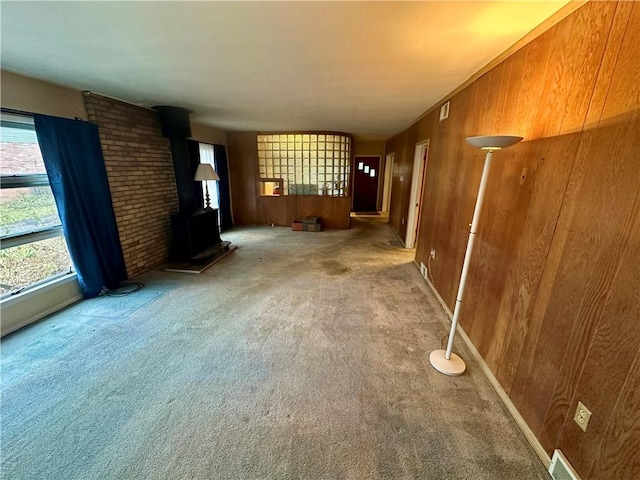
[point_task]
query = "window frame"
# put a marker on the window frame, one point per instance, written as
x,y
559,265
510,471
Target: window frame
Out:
x,y
37,234
29,180
279,181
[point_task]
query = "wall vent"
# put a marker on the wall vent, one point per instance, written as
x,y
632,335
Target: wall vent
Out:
x,y
560,468
444,111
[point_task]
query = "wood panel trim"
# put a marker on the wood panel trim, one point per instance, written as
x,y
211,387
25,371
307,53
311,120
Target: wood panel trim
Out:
x,y
511,408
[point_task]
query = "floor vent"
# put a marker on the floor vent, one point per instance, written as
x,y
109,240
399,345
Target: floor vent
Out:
x,y
561,469
423,270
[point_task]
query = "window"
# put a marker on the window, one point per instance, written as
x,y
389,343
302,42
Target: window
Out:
x,y
32,245
207,156
307,163
270,187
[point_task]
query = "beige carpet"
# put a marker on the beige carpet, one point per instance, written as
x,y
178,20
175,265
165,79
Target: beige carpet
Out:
x,y
297,357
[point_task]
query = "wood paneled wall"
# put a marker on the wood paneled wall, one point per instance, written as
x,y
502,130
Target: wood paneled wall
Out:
x,y
282,211
552,301
249,208
242,150
403,152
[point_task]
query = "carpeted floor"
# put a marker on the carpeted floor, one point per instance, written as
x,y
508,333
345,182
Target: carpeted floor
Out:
x,y
299,356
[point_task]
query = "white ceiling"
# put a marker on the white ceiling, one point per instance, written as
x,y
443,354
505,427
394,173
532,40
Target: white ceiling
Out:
x,y
366,68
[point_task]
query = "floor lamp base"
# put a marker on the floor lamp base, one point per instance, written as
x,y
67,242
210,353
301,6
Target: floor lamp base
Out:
x,y
452,367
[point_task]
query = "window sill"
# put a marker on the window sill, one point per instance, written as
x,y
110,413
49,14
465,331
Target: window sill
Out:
x,y
35,303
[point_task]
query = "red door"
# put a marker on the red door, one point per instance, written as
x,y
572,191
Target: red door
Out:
x,y
365,184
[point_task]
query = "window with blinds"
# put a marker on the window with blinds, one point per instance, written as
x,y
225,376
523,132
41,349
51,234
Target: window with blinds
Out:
x,y
304,164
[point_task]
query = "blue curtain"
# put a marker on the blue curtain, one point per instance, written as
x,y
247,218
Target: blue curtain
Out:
x,y
75,167
222,167
194,161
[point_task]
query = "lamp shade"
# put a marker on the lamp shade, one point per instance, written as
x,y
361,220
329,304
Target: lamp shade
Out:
x,y
205,172
493,142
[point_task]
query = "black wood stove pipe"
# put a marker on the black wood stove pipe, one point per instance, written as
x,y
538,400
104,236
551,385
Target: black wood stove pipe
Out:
x,y
177,128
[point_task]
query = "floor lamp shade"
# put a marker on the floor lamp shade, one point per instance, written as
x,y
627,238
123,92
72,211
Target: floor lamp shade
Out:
x,y
493,142
205,172
445,361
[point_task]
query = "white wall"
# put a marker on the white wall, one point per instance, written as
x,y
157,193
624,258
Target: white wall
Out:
x,y
207,134
35,96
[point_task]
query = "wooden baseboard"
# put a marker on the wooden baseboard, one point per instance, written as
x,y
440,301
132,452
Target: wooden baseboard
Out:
x,y
522,425
513,411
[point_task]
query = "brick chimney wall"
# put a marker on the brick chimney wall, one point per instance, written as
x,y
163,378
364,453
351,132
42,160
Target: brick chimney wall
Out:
x,y
141,179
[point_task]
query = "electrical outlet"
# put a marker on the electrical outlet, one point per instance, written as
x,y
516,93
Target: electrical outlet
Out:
x,y
423,270
582,416
433,253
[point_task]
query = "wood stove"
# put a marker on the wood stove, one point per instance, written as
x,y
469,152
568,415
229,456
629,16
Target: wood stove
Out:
x,y
195,235
195,232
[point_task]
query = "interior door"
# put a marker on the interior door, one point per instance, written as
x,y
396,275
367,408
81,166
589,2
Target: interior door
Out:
x,y
365,184
417,181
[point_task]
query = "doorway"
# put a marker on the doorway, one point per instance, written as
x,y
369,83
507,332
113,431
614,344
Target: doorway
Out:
x,y
366,178
417,181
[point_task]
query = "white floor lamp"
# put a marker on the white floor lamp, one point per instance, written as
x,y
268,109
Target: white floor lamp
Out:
x,y
448,362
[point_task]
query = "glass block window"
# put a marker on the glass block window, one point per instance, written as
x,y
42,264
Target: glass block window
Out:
x,y
307,163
